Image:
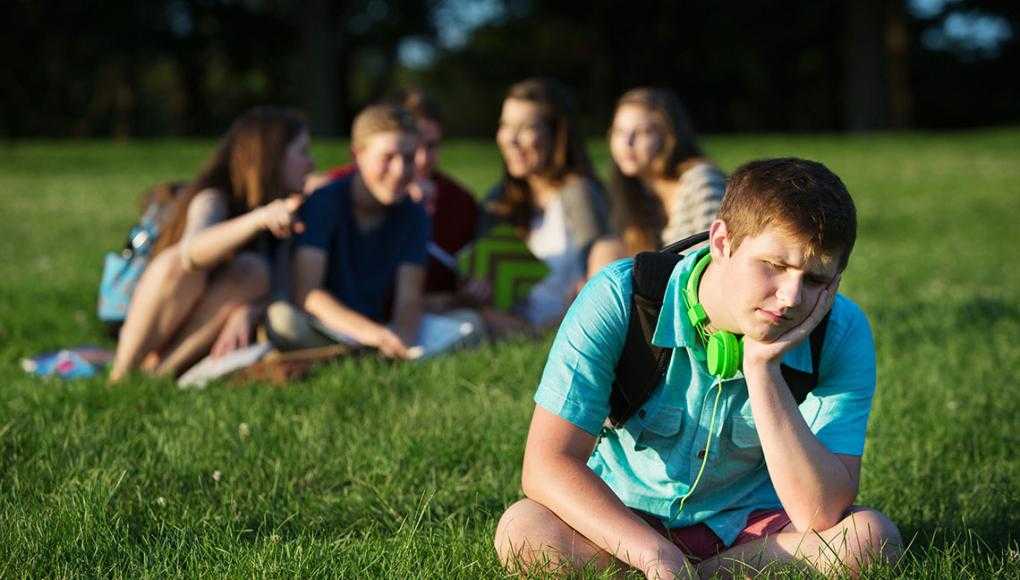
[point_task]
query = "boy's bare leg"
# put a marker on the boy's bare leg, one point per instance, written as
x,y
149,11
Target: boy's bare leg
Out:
x,y
165,295
864,537
243,280
531,538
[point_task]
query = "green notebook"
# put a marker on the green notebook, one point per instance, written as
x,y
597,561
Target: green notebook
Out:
x,y
503,260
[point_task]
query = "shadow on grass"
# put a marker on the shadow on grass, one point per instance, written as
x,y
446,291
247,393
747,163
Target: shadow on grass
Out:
x,y
984,312
975,312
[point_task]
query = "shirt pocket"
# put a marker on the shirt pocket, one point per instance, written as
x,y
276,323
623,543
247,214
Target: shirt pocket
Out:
x,y
745,433
740,440
660,430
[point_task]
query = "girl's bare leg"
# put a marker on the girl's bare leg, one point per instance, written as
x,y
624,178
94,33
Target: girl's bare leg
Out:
x,y
243,280
603,252
165,294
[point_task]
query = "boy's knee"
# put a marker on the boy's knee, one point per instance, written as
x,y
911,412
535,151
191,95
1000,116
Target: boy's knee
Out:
x,y
520,523
290,328
871,538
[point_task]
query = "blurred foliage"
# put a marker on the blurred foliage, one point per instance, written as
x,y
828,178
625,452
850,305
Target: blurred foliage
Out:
x,y
186,67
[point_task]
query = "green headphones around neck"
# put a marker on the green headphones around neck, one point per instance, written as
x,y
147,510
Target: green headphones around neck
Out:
x,y
724,349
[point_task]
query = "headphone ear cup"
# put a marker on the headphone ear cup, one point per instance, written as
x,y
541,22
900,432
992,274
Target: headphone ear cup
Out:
x,y
725,354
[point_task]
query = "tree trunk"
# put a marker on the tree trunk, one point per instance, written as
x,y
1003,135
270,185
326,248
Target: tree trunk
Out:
x,y
897,43
322,86
865,87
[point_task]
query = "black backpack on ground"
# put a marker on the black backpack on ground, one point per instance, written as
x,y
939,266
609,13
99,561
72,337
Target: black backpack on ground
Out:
x,y
642,365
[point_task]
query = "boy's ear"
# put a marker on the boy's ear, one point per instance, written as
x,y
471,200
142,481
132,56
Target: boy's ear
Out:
x,y
719,240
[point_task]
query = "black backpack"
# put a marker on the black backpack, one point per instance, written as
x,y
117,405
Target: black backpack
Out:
x,y
642,365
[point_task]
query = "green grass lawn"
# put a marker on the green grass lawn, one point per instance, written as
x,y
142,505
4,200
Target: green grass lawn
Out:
x,y
369,469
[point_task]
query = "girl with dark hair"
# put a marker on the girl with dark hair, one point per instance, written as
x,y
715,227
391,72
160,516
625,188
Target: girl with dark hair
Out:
x,y
549,193
207,282
663,187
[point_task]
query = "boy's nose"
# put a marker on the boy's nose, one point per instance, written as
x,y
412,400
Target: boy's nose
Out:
x,y
790,293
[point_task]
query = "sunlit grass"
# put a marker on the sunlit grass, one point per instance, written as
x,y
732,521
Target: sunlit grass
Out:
x,y
369,469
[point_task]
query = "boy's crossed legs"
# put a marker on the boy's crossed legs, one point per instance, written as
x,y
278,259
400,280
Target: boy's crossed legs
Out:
x,y
529,536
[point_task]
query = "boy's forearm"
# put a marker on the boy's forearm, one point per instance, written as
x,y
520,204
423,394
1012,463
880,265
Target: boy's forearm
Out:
x,y
331,312
814,486
584,502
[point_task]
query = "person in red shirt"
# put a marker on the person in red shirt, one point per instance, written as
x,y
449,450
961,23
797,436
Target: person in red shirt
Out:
x,y
452,208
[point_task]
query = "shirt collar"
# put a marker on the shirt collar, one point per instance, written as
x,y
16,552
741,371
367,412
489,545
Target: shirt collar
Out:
x,y
674,330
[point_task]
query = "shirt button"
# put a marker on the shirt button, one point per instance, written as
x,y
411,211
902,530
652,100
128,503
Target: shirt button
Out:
x,y
641,413
701,454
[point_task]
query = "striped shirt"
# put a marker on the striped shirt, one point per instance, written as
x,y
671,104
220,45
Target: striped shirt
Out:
x,y
699,195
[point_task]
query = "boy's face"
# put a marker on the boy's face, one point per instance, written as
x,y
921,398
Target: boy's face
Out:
x,y
386,164
430,133
772,286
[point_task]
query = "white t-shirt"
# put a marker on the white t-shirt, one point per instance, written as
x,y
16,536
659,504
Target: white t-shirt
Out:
x,y
550,242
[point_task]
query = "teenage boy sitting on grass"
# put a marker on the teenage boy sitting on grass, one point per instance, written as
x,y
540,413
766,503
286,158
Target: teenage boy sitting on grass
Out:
x,y
452,208
360,263
780,480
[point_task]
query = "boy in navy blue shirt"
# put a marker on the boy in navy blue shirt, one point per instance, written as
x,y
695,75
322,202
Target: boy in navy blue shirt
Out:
x,y
359,264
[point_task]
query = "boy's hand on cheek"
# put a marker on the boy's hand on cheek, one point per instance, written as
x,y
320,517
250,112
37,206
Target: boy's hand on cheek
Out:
x,y
759,354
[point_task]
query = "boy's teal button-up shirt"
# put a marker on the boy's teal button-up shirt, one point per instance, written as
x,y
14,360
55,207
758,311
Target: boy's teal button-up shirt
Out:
x,y
652,460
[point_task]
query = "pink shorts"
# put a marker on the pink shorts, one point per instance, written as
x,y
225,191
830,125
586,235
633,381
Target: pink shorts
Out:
x,y
699,542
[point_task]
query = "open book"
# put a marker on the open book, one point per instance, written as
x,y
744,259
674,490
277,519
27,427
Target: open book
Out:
x,y
437,334
211,367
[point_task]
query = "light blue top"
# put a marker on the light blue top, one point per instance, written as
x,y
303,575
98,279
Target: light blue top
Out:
x,y
651,461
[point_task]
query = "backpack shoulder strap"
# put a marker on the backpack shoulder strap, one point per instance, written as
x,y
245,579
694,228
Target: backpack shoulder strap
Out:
x,y
641,364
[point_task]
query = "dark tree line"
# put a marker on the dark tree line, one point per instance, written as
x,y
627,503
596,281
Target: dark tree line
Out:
x,y
186,67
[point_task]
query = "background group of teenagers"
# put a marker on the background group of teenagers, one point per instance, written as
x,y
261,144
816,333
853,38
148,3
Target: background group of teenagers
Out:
x,y
715,468
364,249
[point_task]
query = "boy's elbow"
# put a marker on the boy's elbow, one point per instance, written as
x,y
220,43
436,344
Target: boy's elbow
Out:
x,y
540,473
822,517
309,299
529,482
536,476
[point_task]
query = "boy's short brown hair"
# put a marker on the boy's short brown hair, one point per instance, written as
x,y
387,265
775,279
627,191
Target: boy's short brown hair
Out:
x,y
801,198
381,118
